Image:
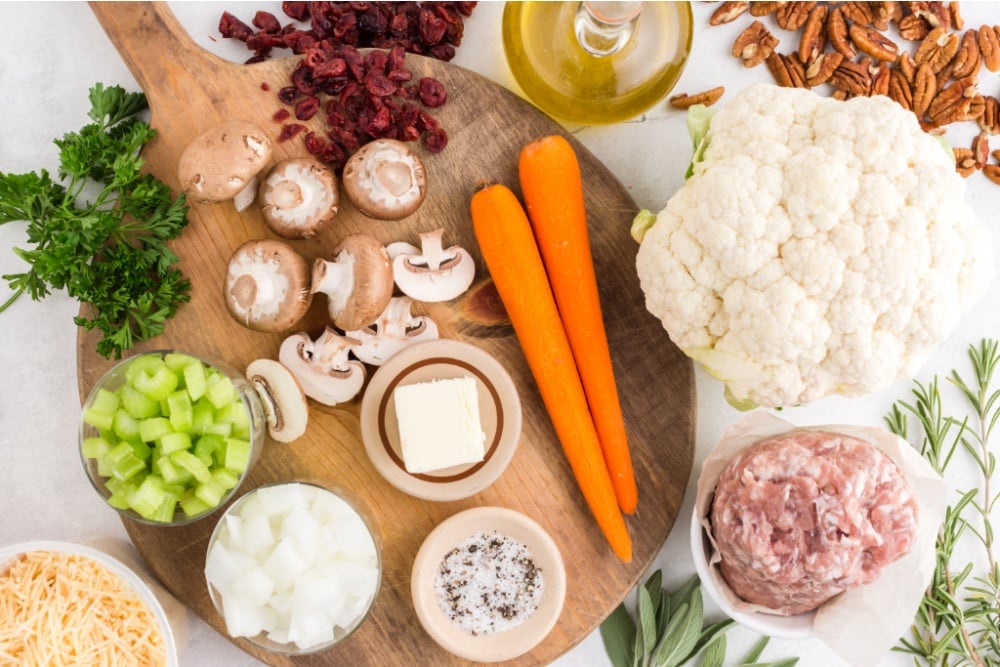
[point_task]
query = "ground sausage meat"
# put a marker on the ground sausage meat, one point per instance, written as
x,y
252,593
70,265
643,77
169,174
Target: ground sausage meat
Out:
x,y
803,516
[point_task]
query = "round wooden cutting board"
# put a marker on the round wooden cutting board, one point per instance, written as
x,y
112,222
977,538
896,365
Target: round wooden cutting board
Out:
x,y
189,90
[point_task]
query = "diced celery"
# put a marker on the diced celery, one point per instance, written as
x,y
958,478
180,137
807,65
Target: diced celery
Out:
x,y
209,443
172,473
126,426
192,464
164,410
203,415
221,392
225,429
181,411
192,505
141,450
165,512
148,496
145,364
175,442
177,361
154,428
194,380
118,501
138,404
122,462
210,492
100,414
227,478
157,385
237,454
95,447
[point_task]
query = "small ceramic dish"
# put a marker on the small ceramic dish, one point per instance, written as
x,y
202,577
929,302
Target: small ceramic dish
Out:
x,y
499,413
496,523
799,626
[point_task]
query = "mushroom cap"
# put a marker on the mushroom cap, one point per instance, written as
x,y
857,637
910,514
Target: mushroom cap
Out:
x,y
283,399
299,198
385,179
223,160
267,285
372,281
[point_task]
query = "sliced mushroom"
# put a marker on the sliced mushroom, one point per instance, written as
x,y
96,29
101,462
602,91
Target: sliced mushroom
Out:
x,y
358,283
284,401
323,368
385,179
299,198
395,329
223,162
267,286
434,274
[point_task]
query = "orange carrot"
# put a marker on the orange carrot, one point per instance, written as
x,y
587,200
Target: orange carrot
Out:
x,y
508,248
553,196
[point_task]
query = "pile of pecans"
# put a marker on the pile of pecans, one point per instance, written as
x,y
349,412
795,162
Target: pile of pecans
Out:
x,y
850,46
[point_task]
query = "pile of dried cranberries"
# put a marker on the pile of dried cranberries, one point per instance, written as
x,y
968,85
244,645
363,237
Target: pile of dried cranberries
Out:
x,y
360,96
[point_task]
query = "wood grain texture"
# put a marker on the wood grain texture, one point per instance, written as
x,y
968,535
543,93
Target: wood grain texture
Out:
x,y
189,90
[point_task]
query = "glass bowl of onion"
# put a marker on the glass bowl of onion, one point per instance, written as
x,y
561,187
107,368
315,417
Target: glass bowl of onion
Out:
x,y
167,437
294,567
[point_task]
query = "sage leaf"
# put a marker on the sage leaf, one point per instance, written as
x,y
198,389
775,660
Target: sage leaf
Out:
x,y
618,634
715,652
647,621
755,652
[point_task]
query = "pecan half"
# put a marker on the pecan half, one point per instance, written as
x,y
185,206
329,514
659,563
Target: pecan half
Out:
x,y
965,163
813,39
907,66
957,22
787,70
992,172
953,102
989,120
707,97
913,28
754,44
977,108
836,33
968,57
884,13
851,77
820,69
793,15
981,148
728,11
924,90
937,49
989,45
858,12
872,42
764,8
880,74
899,89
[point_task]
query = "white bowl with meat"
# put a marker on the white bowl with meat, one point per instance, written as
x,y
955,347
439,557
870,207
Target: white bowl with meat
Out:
x,y
822,531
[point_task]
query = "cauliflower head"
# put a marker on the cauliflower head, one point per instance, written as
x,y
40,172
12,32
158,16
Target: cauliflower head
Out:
x,y
820,247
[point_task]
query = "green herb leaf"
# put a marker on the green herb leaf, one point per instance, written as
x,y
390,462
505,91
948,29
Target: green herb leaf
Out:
x,y
715,652
618,635
111,252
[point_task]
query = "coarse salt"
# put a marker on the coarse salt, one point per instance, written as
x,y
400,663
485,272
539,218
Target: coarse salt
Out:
x,y
488,584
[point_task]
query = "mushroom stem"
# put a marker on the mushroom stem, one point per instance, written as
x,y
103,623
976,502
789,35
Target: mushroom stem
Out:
x,y
433,251
335,279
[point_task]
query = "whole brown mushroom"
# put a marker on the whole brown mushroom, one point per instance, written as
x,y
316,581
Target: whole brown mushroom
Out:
x,y
385,180
223,162
267,286
299,198
358,283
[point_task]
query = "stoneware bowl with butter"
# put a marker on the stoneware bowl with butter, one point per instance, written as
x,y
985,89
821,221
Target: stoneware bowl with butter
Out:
x,y
488,584
441,420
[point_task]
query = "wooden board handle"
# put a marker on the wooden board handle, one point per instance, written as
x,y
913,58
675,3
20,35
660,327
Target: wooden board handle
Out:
x,y
155,47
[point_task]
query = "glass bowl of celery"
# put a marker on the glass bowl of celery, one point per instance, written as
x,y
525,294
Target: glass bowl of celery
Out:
x,y
167,437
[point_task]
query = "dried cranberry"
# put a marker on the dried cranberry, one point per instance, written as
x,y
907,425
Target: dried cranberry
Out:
x,y
355,62
432,92
288,94
435,140
307,108
373,21
431,27
334,67
379,84
290,131
296,10
302,80
230,26
265,41
265,86
266,21
281,115
376,60
443,52
315,143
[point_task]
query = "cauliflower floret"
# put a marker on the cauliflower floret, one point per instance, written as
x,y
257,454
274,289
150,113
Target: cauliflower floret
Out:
x,y
819,247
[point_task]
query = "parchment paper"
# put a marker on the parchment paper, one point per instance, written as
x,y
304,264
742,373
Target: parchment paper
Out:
x,y
861,624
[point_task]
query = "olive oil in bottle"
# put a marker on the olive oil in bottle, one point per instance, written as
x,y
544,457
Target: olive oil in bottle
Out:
x,y
596,62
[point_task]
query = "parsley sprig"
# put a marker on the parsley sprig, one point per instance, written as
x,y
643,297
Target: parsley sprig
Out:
x,y
958,622
110,251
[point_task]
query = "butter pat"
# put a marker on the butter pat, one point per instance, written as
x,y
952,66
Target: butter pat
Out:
x,y
439,424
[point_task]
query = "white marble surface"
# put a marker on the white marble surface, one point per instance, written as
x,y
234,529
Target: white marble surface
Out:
x,y
52,53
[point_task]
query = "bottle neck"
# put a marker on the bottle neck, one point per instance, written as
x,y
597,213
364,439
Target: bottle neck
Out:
x,y
603,28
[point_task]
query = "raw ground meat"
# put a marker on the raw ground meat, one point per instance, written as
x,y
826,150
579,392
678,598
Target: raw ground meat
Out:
x,y
803,516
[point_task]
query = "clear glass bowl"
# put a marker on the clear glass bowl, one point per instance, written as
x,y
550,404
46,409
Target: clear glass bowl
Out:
x,y
316,492
114,379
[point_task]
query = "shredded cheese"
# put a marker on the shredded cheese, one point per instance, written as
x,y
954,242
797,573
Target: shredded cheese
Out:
x,y
68,609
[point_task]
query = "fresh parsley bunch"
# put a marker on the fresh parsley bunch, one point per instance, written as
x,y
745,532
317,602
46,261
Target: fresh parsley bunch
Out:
x,y
110,253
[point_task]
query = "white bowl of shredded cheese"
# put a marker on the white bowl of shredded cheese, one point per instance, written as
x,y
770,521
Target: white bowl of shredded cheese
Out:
x,y
67,603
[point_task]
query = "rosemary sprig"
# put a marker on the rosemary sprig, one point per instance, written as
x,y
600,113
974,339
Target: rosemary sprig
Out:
x,y
958,622
669,630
